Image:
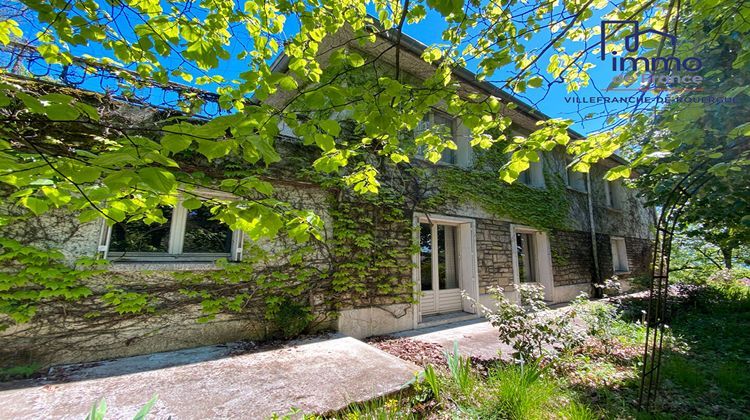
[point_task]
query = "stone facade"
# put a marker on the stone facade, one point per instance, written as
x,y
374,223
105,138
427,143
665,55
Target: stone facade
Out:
x,y
376,308
494,254
572,257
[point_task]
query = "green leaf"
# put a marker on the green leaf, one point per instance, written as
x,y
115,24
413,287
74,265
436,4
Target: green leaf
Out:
x,y
9,27
740,130
82,174
214,149
159,179
36,205
324,141
192,204
535,82
617,172
61,112
679,167
143,412
331,127
288,83
176,143
447,7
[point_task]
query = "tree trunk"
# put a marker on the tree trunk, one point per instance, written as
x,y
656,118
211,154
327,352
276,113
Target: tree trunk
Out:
x,y
727,254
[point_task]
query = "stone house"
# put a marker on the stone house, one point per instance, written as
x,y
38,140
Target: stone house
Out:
x,y
561,229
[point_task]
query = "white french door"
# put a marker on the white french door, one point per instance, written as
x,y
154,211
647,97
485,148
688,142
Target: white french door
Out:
x,y
440,260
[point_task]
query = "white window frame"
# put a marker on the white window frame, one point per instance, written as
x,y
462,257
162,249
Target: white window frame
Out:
x,y
620,264
543,260
175,244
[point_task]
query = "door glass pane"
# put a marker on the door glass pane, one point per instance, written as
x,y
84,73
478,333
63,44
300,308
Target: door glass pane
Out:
x,y
205,235
139,237
447,260
425,255
526,257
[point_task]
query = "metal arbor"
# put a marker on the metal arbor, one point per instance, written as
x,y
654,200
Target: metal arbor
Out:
x,y
657,316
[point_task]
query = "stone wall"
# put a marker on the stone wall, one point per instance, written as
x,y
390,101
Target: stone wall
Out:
x,y
54,338
90,328
639,257
494,254
572,257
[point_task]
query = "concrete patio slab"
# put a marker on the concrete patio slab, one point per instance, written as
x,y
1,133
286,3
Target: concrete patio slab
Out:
x,y
476,338
314,376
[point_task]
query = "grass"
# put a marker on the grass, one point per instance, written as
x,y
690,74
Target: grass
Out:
x,y
519,392
18,372
684,373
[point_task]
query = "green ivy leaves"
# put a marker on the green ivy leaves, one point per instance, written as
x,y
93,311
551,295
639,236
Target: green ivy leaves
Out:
x,y
35,277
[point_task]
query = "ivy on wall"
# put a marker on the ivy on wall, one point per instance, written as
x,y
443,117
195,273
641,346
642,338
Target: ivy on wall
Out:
x,y
543,208
32,277
372,249
287,286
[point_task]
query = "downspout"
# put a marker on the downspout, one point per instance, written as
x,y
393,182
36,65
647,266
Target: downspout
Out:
x,y
592,226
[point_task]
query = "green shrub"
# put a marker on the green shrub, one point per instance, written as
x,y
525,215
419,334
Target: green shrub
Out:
x,y
530,328
721,293
432,381
292,318
733,376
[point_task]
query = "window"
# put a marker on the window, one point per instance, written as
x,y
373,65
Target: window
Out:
x,y
526,252
534,176
575,180
619,255
446,125
189,235
614,194
532,258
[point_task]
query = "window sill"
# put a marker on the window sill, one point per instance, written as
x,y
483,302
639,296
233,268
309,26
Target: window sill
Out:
x,y
576,190
165,262
613,209
621,273
534,187
124,266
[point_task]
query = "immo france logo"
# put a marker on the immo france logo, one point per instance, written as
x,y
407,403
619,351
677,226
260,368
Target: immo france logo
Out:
x,y
655,72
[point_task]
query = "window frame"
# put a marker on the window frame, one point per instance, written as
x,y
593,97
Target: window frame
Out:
x,y
542,259
435,256
612,198
175,243
534,174
454,133
619,250
569,180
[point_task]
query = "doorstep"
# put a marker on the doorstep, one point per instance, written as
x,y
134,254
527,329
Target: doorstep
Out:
x,y
447,318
